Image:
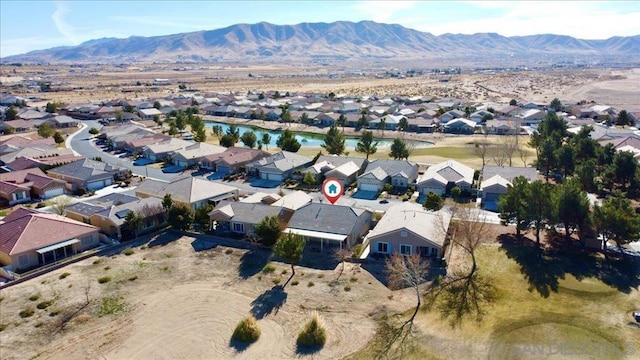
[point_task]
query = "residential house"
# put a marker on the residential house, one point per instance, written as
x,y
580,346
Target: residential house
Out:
x,y
188,191
261,198
195,154
39,184
460,126
166,149
497,179
407,229
36,152
29,239
441,177
109,213
422,125
501,127
232,159
241,218
450,115
12,194
64,121
327,227
350,168
88,174
293,201
279,166
530,116
399,173
16,126
45,163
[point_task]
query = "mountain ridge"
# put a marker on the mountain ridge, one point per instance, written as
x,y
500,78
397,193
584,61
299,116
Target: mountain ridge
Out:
x,y
341,39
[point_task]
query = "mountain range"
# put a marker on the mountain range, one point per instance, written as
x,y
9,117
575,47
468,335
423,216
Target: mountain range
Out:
x,y
338,40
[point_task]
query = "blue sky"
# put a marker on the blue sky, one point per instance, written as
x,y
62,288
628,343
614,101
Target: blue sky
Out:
x,y
32,25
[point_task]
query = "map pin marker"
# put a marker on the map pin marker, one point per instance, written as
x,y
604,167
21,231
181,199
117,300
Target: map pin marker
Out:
x,y
332,189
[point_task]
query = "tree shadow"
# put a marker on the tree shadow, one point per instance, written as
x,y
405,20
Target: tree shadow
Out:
x,y
269,301
252,262
544,266
462,295
307,350
239,346
164,238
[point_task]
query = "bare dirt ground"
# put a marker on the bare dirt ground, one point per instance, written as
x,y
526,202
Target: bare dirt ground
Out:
x,y
179,303
616,87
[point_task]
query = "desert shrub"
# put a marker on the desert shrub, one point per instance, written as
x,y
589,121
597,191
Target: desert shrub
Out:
x,y
247,330
111,305
284,271
3,326
26,312
54,313
1,299
276,281
356,251
64,275
104,279
143,247
128,252
320,276
310,284
313,333
44,304
228,251
347,288
268,269
107,268
96,262
133,278
34,297
294,283
38,324
353,279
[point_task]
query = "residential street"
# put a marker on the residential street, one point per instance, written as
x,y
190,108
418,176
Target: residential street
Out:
x,y
81,143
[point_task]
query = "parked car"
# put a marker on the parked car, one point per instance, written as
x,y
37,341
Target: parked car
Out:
x,y
384,201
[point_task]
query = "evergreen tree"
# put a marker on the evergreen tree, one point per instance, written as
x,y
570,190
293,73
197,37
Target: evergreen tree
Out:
x,y
399,149
334,141
366,145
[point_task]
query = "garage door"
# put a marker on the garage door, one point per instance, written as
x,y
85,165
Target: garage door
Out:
x,y
368,187
223,170
274,177
53,192
95,185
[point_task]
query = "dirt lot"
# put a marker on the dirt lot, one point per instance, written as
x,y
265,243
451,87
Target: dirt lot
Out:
x,y
616,87
179,303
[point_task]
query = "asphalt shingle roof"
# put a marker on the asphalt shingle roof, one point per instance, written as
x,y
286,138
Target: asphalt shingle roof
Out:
x,y
327,218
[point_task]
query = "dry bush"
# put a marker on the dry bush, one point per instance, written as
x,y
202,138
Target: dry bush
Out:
x,y
247,330
313,333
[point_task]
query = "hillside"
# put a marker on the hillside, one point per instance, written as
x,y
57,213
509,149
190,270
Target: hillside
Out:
x,y
338,40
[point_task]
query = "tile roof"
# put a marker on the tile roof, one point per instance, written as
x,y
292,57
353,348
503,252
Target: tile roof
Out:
x,y
327,218
509,173
413,217
186,189
250,213
448,171
86,169
25,230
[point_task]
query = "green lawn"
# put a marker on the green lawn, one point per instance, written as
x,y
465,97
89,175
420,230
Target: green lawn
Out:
x,y
551,308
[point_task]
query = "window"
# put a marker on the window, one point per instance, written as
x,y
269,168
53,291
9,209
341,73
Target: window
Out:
x,y
405,249
403,233
238,227
23,260
434,251
19,195
383,247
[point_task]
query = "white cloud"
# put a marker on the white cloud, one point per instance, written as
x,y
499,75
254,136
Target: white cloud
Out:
x,y
67,30
382,11
585,20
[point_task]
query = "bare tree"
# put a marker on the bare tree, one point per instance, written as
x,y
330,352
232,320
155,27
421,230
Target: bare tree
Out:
x,y
60,204
464,291
481,149
409,271
342,255
510,144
